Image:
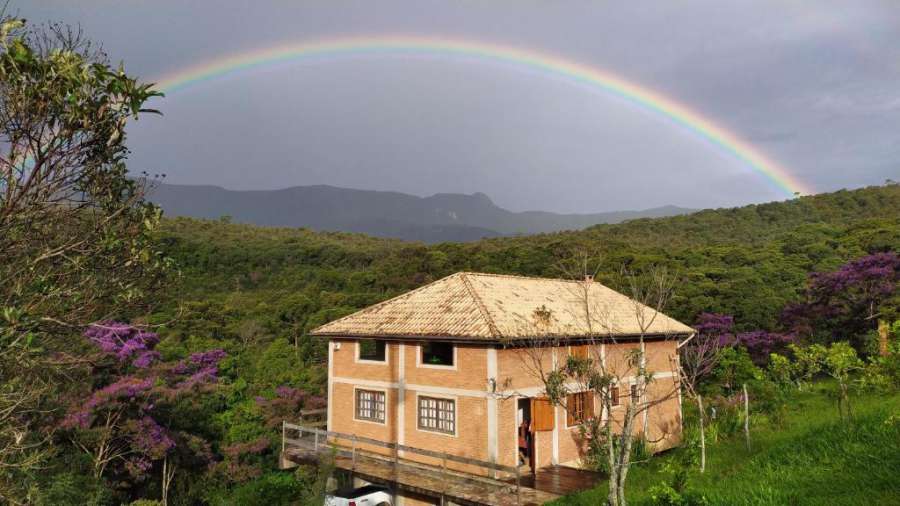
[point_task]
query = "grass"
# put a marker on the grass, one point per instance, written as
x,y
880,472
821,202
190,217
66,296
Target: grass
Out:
x,y
811,459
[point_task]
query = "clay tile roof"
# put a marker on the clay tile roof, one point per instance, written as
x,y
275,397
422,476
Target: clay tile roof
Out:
x,y
493,307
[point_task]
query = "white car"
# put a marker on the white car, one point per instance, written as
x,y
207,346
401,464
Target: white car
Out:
x,y
369,495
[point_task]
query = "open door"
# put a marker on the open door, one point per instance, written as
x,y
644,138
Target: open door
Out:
x,y
540,418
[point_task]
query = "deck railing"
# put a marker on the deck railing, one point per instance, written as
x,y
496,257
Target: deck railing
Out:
x,y
320,442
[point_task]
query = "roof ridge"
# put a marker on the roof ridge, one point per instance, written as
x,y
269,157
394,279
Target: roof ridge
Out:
x,y
536,278
386,301
492,327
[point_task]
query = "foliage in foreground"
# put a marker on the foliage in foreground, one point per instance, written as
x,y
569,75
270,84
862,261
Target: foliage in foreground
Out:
x,y
800,459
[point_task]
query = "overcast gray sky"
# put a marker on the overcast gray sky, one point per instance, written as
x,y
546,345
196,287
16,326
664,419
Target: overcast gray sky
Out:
x,y
813,85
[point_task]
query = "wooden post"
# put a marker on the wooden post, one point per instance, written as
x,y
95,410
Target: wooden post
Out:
x,y
702,434
316,443
283,432
444,476
353,466
746,417
518,486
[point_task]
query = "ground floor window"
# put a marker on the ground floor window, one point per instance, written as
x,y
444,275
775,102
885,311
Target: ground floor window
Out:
x,y
579,408
370,405
437,415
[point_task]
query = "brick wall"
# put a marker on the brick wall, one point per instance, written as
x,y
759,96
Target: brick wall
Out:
x,y
466,383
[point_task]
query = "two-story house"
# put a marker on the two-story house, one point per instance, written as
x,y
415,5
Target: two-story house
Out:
x,y
455,366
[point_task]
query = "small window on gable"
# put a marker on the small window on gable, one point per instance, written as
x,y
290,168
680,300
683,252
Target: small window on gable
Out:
x,y
437,353
634,393
614,395
372,349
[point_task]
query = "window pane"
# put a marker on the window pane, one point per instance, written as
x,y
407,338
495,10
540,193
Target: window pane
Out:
x,y
437,354
371,349
370,405
437,415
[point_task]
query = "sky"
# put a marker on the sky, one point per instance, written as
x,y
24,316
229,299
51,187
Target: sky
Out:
x,y
811,85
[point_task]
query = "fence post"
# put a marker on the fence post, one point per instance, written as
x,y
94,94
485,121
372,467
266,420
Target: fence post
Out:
x,y
518,487
746,417
353,467
316,442
444,476
283,433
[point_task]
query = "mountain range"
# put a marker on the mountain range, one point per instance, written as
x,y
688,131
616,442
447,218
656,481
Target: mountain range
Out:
x,y
440,217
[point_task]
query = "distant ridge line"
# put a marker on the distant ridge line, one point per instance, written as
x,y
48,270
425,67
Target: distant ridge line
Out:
x,y
442,217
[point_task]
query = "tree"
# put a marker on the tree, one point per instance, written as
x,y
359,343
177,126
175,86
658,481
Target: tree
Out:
x,y
700,355
124,423
848,301
698,359
75,233
603,374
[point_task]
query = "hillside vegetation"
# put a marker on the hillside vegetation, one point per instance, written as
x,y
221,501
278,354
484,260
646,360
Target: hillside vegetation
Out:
x,y
747,261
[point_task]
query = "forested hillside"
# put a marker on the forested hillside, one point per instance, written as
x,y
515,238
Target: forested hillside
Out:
x,y
747,261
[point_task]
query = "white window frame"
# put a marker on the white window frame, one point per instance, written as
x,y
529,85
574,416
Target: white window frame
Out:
x,y
387,354
453,398
420,349
386,405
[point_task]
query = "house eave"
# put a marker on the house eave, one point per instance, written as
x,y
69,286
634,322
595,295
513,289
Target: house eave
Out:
x,y
509,341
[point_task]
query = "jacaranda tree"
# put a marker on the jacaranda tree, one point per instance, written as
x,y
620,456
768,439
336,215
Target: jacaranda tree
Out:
x,y
847,303
128,424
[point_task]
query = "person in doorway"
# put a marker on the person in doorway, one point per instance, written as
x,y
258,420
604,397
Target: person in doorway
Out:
x,y
524,440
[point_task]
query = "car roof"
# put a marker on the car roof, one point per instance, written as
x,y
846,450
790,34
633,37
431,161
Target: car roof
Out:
x,y
359,492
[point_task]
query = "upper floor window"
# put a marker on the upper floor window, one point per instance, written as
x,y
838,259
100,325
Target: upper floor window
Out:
x,y
579,408
614,395
437,415
370,405
437,353
579,351
372,350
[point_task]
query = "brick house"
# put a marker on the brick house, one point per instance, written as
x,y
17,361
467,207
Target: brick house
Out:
x,y
452,366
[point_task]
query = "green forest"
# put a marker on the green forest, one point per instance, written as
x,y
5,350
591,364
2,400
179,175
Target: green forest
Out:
x,y
151,360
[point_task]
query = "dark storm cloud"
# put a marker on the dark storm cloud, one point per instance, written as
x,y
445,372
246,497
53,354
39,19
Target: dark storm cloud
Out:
x,y
811,85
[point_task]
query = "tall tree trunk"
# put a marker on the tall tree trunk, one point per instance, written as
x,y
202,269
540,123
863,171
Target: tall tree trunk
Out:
x,y
883,338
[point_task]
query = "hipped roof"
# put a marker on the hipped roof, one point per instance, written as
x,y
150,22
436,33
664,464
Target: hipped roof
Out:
x,y
493,307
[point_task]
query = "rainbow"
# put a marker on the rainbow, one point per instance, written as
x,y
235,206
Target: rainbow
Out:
x,y
593,77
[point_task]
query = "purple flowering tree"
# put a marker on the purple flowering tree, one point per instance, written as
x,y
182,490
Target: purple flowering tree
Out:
x,y
846,303
760,344
120,423
699,356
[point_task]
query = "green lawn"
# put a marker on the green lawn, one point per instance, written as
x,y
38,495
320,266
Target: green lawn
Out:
x,y
812,459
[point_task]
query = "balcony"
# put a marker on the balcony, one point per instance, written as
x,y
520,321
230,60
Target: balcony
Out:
x,y
442,476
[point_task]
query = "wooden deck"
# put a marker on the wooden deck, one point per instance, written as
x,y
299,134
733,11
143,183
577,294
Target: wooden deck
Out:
x,y
561,480
406,475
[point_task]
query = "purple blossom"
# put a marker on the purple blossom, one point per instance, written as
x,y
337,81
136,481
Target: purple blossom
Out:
x,y
202,368
714,324
149,438
760,344
124,341
127,388
845,302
